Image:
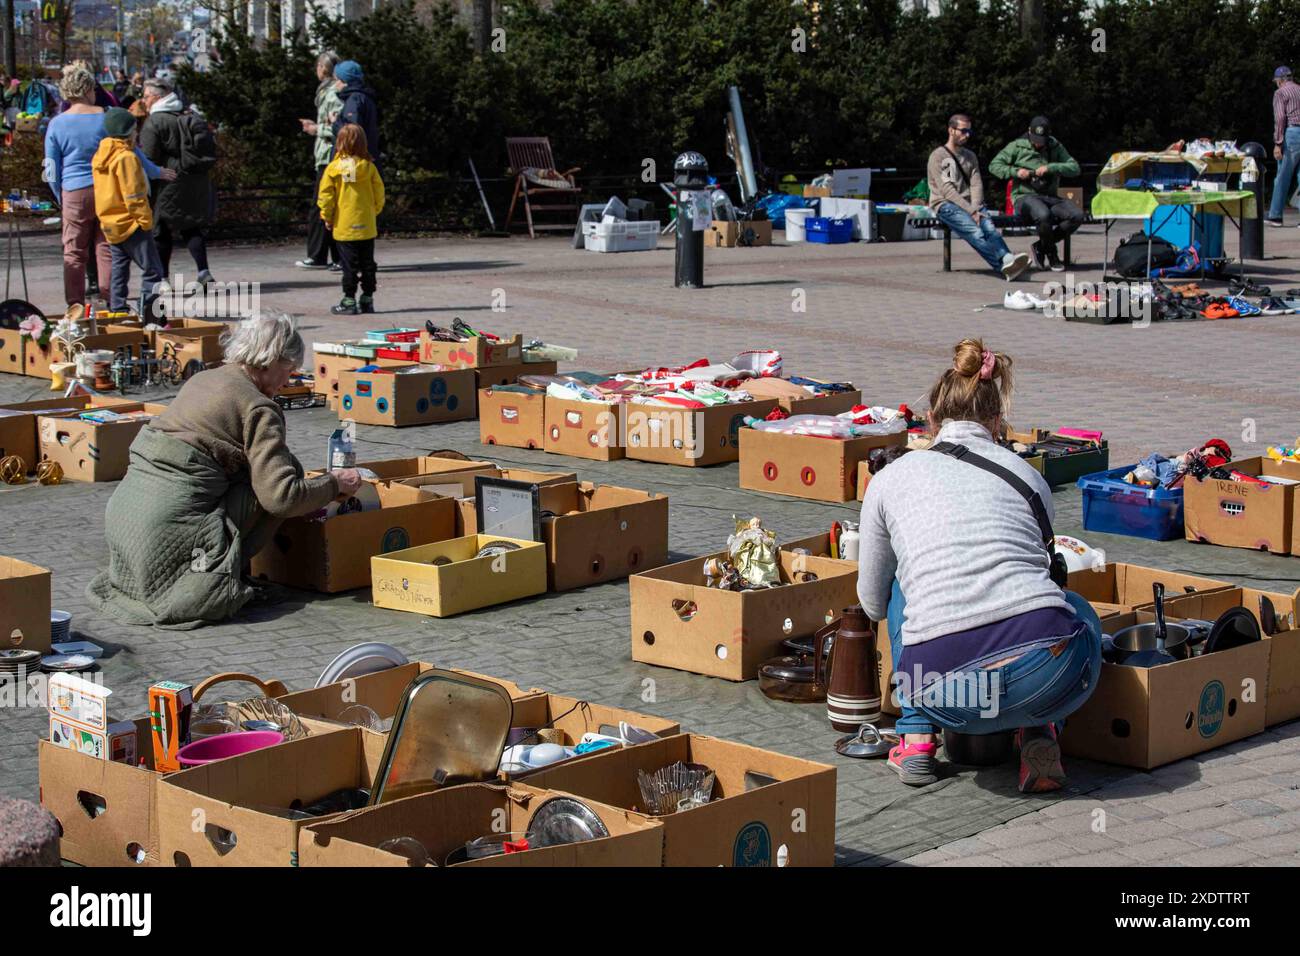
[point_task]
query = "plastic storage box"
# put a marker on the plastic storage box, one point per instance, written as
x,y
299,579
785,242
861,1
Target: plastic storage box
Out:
x,y
1113,506
620,236
831,231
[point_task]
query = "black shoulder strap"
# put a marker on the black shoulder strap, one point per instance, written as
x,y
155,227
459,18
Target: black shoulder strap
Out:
x,y
962,453
960,169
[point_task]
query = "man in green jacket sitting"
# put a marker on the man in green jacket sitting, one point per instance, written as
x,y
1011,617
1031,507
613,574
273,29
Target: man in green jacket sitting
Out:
x,y
1035,163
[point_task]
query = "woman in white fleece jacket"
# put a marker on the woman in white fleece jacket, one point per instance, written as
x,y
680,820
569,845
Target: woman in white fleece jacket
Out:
x,y
952,557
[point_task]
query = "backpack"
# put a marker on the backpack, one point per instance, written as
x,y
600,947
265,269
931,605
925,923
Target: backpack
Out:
x,y
198,146
1131,255
38,100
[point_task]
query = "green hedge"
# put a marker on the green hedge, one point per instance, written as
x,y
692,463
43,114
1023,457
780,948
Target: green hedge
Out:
x,y
613,82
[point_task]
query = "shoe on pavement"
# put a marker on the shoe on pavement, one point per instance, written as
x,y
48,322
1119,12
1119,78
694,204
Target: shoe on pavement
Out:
x,y
346,307
1040,760
1013,264
311,264
205,278
915,764
335,267
366,304
1054,261
1040,259
1020,300
1276,223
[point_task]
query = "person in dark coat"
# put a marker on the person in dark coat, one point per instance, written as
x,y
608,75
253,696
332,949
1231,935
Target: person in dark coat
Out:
x,y
359,107
182,209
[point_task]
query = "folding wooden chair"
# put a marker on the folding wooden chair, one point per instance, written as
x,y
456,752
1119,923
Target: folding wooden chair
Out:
x,y
535,174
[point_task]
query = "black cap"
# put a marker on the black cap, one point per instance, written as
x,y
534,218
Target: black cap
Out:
x,y
1039,130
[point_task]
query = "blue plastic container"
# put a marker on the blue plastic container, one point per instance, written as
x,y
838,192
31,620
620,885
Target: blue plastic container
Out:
x,y
1113,506
825,230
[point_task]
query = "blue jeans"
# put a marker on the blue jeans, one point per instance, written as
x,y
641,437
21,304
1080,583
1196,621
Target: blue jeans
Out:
x,y
1286,170
1037,688
140,248
983,236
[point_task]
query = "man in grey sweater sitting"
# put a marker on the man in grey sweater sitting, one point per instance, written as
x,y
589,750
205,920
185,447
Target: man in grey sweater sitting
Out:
x,y
957,198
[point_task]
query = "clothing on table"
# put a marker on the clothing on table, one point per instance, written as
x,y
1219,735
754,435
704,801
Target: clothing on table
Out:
x,y
1042,685
1285,182
358,261
121,193
70,144
1053,216
222,413
1022,154
955,178
1286,110
139,248
962,542
81,233
320,240
983,236
194,239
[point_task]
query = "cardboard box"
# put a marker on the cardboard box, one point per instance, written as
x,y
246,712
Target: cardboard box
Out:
x,y
410,581
573,717
599,532
799,401
107,811
690,436
768,809
443,821
38,360
493,375
18,422
513,416
93,451
24,606
678,622
334,554
1128,586
864,479
1072,193
593,430
191,345
234,799
805,466
11,351
407,395
1148,717
1239,514
727,234
816,192
476,352
327,366
393,469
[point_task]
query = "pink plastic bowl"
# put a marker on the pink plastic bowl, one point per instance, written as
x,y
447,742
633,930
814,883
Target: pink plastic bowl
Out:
x,y
226,745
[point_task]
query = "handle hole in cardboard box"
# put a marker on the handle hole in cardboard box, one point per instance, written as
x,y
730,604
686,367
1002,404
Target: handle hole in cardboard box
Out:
x,y
92,803
1232,707
1233,509
685,609
648,637
222,840
135,853
1189,720
787,627
181,859
782,855
721,652
1120,728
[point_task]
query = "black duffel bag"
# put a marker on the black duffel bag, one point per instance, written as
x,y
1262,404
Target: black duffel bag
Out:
x,y
1131,255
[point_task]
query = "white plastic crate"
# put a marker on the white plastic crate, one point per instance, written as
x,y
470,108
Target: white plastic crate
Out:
x,y
620,236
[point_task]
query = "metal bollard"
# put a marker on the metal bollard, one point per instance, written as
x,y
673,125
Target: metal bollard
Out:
x,y
1252,230
691,177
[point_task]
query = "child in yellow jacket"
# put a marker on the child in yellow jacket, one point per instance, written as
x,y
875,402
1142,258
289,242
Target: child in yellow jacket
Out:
x,y
351,198
122,205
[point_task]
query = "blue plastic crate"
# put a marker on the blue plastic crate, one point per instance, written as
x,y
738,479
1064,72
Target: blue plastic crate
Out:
x,y
826,230
1113,506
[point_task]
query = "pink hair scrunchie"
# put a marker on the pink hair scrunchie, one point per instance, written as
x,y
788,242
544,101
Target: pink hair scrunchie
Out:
x,y
986,369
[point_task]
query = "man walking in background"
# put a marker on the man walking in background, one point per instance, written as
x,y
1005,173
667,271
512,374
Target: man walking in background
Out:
x,y
957,198
1286,141
321,250
1034,164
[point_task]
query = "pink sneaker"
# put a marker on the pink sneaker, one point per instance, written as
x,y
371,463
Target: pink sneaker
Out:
x,y
915,764
1040,760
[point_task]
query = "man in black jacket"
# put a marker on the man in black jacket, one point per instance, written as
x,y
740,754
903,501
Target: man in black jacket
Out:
x,y
358,107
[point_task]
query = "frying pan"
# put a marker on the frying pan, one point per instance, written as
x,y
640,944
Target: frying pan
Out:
x,y
1236,627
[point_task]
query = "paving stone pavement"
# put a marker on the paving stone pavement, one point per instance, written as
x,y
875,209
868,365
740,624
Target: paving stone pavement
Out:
x,y
883,316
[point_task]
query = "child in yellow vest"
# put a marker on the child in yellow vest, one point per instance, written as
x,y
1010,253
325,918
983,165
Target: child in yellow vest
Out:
x,y
351,198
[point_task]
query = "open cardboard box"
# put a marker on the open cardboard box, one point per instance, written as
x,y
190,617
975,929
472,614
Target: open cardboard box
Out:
x,y
406,395
1149,716
37,360
92,451
690,436
726,233
512,415
191,345
805,466
225,813
394,469
599,532
492,376
474,352
327,366
1128,586
18,422
593,430
409,580
443,821
106,810
768,809
12,343
1239,514
334,554
24,606
679,622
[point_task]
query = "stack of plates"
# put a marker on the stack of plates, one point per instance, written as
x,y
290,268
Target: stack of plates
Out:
x,y
67,663
60,626
18,662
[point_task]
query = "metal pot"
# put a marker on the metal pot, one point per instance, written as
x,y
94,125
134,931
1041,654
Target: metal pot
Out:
x,y
1177,643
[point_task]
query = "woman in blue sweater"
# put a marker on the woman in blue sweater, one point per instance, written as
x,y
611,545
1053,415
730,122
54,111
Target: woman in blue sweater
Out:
x,y
70,144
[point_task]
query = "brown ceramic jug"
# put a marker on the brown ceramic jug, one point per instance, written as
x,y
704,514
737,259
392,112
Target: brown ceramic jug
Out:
x,y
852,679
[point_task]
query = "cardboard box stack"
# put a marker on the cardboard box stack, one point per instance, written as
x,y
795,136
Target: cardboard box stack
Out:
x,y
24,606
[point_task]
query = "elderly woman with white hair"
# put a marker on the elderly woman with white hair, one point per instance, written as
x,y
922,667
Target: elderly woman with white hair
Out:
x,y
210,479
